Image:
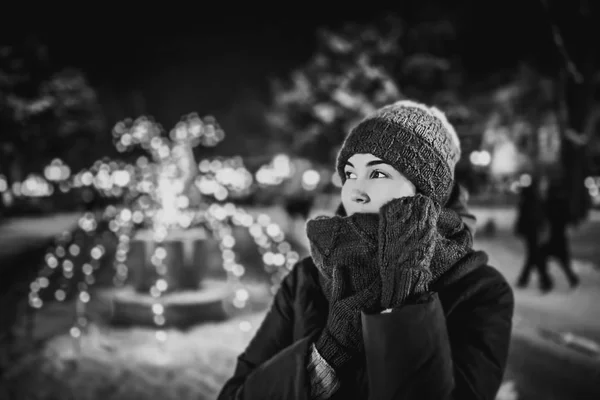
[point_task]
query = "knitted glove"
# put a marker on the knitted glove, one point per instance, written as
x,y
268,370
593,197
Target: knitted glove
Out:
x,y
341,339
345,241
344,249
407,240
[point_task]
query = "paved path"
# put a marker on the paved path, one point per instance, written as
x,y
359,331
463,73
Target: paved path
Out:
x,y
19,234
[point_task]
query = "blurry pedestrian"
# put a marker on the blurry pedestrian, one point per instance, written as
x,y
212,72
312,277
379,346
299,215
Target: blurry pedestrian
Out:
x,y
556,244
532,227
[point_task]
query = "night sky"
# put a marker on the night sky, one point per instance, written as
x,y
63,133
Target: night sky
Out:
x,y
182,59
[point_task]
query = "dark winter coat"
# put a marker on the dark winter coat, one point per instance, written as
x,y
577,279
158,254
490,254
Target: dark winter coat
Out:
x,y
454,345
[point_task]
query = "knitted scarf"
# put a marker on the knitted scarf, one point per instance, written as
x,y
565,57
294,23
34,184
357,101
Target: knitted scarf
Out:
x,y
453,256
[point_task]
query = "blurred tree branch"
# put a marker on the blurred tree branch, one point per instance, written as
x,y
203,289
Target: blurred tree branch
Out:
x,y
45,112
358,69
560,45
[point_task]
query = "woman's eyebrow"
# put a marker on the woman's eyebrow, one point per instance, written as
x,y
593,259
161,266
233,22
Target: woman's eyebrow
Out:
x,y
376,162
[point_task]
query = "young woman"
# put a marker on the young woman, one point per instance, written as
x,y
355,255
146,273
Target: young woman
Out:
x,y
393,303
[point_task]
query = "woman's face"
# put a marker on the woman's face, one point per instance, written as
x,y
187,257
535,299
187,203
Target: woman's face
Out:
x,y
371,183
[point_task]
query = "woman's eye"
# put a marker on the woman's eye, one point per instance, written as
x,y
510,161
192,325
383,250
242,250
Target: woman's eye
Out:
x,y
378,174
349,175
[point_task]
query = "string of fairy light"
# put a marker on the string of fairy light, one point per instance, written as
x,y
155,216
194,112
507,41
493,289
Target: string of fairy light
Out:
x,y
146,197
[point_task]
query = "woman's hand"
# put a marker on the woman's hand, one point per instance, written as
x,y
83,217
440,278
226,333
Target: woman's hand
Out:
x,y
341,339
407,240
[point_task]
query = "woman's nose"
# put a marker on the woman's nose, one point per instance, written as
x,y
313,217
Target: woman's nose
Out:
x,y
359,196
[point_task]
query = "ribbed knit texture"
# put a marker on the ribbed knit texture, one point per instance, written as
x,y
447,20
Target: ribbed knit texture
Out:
x,y
345,251
345,241
418,243
454,242
415,139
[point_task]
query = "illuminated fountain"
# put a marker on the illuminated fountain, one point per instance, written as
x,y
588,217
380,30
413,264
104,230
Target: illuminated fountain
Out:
x,y
171,274
166,250
169,253
172,223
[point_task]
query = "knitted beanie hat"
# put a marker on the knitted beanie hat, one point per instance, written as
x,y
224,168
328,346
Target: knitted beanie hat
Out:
x,y
415,139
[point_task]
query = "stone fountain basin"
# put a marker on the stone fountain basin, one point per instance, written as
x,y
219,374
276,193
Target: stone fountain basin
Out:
x,y
183,308
192,254
191,297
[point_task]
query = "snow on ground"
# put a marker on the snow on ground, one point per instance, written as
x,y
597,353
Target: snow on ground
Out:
x,y
564,309
112,363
